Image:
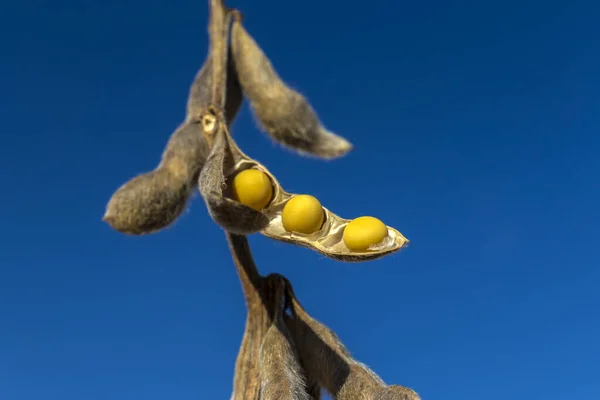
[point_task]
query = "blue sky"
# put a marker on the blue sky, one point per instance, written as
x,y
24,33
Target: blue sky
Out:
x,y
476,126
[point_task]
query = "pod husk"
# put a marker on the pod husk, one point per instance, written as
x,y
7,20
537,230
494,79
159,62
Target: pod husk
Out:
x,y
327,240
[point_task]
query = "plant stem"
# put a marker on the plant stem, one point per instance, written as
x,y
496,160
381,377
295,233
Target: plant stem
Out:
x,y
218,31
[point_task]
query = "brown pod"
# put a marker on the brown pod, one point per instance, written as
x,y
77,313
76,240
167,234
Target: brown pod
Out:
x,y
328,240
280,373
282,112
153,200
327,359
312,385
237,218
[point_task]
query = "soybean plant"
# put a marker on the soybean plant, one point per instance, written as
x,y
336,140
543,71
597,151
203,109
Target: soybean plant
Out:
x,y
285,353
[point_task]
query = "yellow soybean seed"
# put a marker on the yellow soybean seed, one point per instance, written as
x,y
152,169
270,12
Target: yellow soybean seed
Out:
x,y
252,188
363,232
302,213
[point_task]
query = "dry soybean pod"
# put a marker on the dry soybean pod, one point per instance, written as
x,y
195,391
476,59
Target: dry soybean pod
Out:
x,y
328,239
280,372
312,385
282,112
327,359
153,200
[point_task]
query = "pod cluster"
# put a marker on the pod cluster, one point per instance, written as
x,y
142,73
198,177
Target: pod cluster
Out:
x,y
298,356
285,353
241,195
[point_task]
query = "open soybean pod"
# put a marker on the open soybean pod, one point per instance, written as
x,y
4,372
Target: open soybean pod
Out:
x,y
327,238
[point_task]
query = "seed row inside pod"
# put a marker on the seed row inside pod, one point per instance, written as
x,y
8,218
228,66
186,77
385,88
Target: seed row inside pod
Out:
x,y
301,219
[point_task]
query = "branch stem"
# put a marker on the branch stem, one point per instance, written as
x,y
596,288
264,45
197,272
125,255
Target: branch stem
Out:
x,y
218,31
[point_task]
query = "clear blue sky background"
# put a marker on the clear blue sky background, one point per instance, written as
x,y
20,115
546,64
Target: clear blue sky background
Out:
x,y
477,134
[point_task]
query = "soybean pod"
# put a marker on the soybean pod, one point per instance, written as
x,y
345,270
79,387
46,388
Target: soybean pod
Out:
x,y
300,219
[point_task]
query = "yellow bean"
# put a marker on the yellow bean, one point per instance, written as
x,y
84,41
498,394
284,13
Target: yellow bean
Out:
x,y
363,232
253,188
302,213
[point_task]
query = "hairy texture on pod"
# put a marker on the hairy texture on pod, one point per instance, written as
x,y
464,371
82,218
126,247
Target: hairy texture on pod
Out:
x,y
231,215
398,392
200,91
312,386
313,389
282,112
279,370
326,358
153,200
